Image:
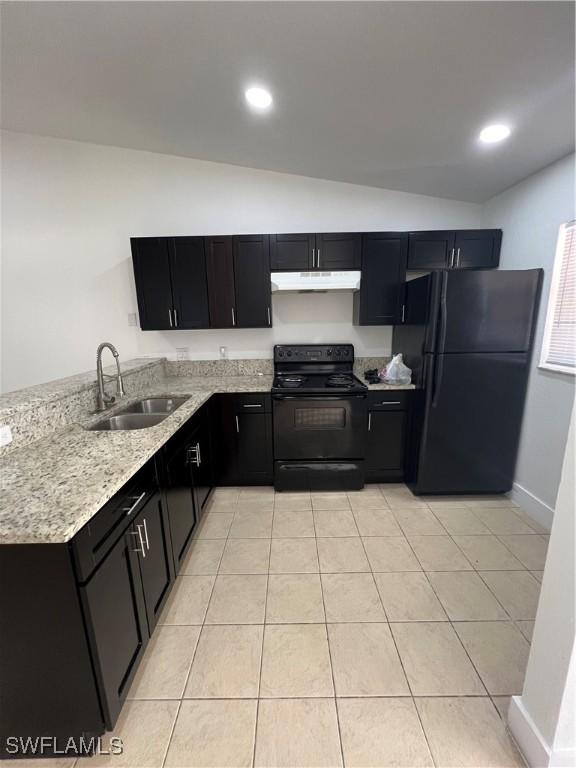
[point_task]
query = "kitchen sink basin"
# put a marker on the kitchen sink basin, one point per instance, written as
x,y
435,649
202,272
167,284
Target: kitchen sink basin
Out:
x,y
128,421
155,405
139,415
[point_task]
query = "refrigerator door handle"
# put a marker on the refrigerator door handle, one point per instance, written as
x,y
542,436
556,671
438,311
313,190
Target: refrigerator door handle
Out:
x,y
437,379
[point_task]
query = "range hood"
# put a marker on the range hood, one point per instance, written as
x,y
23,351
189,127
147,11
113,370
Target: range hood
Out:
x,y
302,282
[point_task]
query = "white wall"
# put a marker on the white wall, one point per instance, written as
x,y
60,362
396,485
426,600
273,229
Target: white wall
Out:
x,y
69,209
530,214
543,719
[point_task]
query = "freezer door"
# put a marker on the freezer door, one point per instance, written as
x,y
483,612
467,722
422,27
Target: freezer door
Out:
x,y
488,311
472,417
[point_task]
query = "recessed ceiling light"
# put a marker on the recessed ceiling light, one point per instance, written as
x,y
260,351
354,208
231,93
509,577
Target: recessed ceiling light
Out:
x,y
492,134
258,98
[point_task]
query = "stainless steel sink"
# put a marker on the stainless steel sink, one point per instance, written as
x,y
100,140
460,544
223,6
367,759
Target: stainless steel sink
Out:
x,y
128,421
155,405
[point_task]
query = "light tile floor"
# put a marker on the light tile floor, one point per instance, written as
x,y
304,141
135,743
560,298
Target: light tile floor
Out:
x,y
365,629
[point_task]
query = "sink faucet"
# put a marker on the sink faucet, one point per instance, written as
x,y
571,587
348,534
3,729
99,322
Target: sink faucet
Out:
x,y
103,400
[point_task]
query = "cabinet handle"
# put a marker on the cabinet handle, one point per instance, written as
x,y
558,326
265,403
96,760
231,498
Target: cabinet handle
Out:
x,y
175,319
255,405
131,509
369,421
194,454
458,257
313,257
146,533
138,533
403,312
233,317
451,262
318,258
390,402
237,425
269,317
199,453
170,317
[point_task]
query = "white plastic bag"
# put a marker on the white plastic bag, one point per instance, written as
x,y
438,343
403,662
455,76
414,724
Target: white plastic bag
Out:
x,y
396,372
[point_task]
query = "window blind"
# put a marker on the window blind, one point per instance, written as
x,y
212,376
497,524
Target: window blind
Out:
x,y
559,348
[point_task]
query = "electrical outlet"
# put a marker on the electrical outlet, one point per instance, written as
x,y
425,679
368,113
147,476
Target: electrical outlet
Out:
x,y
132,318
5,435
182,353
223,353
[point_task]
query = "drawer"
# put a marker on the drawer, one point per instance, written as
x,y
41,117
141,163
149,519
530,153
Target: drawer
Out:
x,y
96,538
388,400
253,402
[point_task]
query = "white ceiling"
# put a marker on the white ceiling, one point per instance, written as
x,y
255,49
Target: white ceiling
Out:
x,y
387,94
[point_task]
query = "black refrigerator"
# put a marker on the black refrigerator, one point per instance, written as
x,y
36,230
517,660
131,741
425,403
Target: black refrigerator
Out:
x,y
468,338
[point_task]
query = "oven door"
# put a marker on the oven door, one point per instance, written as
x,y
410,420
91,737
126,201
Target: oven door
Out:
x,y
319,426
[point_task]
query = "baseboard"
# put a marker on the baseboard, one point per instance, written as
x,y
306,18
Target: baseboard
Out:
x,y
532,505
532,744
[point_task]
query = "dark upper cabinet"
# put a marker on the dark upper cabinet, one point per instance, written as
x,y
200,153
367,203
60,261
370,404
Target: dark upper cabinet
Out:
x,y
151,260
380,298
324,251
170,275
220,272
292,252
189,286
252,281
477,248
338,251
430,250
454,249
156,564
118,632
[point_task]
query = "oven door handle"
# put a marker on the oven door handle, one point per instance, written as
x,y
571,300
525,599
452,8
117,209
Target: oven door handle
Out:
x,y
319,397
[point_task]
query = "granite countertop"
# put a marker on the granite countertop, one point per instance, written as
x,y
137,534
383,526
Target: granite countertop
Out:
x,y
54,486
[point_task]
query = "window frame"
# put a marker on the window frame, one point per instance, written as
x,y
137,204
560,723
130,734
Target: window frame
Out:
x,y
551,308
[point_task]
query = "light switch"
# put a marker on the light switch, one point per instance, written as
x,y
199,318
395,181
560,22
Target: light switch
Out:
x,y
5,435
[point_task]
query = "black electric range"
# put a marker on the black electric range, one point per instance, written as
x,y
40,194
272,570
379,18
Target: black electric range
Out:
x,y
320,418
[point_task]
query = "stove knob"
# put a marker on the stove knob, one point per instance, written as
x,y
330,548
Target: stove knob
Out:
x,y
280,354
289,353
328,352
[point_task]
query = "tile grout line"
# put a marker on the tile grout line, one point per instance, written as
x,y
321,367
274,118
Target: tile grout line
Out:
x,y
328,645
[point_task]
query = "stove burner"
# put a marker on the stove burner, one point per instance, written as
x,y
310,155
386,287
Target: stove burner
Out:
x,y
292,381
339,380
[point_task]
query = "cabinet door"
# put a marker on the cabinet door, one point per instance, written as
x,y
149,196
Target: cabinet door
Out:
x,y
220,272
116,622
292,252
156,567
379,301
477,248
430,250
252,281
180,502
201,463
385,445
189,283
153,284
254,448
223,427
339,250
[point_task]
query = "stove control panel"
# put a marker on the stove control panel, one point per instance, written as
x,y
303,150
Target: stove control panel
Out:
x,y
314,353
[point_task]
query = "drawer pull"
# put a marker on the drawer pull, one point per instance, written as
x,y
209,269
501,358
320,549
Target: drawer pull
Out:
x,y
390,402
131,509
254,405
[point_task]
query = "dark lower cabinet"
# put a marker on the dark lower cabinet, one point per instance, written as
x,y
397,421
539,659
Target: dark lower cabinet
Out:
x,y
152,537
388,414
243,429
200,459
179,497
380,298
252,281
116,621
